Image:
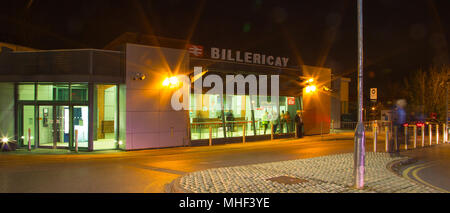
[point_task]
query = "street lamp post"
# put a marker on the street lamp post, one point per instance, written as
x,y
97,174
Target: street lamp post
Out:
x,y
359,152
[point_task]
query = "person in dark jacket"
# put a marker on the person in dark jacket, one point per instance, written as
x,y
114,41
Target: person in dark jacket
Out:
x,y
299,124
399,120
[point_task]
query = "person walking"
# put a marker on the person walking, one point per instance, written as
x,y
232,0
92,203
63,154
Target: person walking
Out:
x,y
399,119
299,124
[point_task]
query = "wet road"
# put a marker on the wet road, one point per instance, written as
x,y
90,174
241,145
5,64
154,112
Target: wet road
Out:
x,y
150,170
432,167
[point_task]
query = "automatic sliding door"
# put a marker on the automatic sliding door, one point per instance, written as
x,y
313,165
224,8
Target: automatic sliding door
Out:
x,y
46,129
54,126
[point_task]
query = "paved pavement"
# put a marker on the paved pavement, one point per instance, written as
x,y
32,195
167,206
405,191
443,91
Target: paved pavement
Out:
x,y
150,170
326,174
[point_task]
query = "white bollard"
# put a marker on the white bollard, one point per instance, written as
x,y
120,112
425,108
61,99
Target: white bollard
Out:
x,y
415,136
437,133
423,135
76,140
444,138
210,136
386,129
406,137
375,138
395,137
430,133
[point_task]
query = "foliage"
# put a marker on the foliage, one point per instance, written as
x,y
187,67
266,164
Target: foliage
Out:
x,y
426,91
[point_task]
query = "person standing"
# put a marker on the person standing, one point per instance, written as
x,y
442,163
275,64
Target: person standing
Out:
x,y
275,121
282,121
265,121
299,124
288,119
229,120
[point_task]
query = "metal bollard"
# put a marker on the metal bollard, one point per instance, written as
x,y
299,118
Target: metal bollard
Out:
x,y
437,133
375,138
415,136
295,127
444,129
444,139
386,129
406,137
29,139
395,137
210,136
332,126
271,131
423,135
76,140
430,133
243,133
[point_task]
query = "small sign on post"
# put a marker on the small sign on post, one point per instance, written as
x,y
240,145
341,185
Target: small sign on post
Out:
x,y
373,93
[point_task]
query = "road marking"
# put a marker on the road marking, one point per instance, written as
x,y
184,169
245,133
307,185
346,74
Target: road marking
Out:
x,y
414,174
157,169
415,169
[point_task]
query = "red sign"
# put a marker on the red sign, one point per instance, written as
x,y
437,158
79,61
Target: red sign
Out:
x,y
195,50
291,100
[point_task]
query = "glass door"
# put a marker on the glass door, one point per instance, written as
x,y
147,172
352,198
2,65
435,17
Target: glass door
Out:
x,y
27,125
54,126
81,125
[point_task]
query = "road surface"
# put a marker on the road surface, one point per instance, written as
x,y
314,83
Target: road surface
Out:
x,y
151,170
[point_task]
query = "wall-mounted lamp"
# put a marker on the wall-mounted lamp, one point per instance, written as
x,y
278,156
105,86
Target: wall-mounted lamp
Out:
x,y
139,76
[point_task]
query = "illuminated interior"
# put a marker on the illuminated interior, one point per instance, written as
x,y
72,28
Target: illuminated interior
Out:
x,y
228,119
51,114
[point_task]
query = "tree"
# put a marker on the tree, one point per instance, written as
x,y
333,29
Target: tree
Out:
x,y
426,91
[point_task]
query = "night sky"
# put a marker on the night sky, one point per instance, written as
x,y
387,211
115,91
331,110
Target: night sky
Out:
x,y
400,35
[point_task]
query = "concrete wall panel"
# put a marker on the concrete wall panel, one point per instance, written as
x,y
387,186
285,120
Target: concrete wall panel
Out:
x,y
151,121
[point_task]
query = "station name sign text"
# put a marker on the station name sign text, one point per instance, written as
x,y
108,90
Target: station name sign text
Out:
x,y
248,57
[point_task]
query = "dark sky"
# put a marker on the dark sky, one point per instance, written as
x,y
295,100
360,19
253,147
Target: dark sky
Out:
x,y
400,35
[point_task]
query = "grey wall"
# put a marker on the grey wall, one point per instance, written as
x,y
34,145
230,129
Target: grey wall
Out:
x,y
7,109
150,120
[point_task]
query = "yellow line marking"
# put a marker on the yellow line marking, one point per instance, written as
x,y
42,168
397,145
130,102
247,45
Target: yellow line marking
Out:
x,y
406,171
414,174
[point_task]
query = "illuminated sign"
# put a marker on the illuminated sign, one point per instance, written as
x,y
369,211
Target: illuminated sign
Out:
x,y
248,57
238,56
291,100
195,50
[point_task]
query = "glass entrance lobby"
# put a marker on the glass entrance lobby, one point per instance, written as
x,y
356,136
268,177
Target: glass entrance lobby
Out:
x,y
57,115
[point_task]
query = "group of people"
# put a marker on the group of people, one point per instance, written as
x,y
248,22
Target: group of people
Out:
x,y
284,120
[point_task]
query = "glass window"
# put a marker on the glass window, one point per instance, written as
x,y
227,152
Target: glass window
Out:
x,y
266,114
105,117
53,92
26,92
79,92
238,116
205,113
